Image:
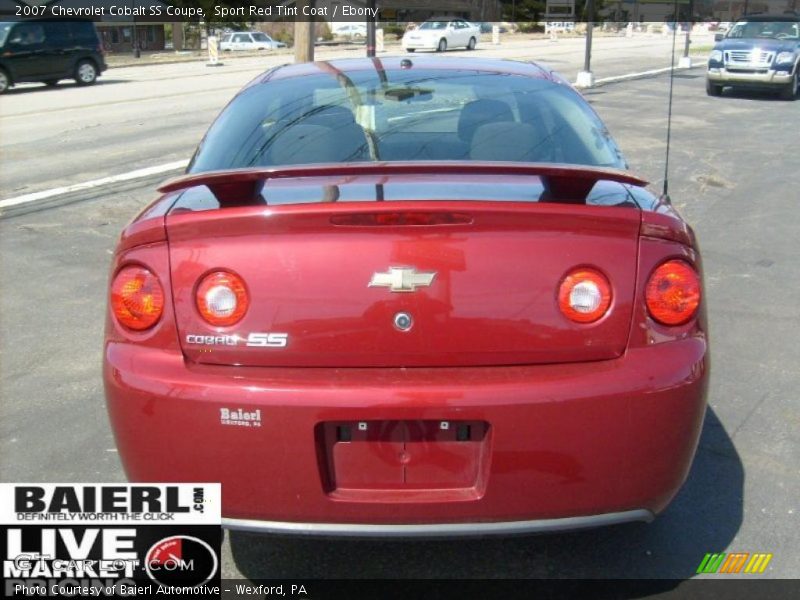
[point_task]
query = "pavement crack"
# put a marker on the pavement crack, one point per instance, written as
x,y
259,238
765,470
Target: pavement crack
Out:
x,y
750,413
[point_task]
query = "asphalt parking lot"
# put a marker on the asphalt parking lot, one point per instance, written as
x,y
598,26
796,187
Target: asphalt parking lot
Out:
x,y
734,175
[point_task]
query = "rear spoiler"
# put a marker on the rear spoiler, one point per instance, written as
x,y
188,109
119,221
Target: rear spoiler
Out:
x,y
569,183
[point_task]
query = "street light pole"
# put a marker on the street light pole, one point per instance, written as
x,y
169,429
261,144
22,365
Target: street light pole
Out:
x,y
585,77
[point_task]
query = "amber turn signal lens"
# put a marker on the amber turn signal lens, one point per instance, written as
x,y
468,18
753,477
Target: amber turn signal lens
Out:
x,y
673,293
222,298
584,296
137,299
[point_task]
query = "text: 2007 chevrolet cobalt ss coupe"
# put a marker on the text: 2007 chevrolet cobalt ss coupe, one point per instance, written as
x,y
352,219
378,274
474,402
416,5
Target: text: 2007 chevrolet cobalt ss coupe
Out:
x,y
410,298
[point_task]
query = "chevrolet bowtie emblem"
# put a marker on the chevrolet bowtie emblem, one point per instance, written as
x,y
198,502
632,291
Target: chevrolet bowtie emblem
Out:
x,y
401,279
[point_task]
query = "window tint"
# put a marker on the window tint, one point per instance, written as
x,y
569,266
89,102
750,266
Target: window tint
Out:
x,y
4,29
27,34
261,37
58,34
83,32
433,25
765,29
407,115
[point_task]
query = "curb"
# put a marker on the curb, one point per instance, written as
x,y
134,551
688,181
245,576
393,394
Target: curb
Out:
x,y
10,207
634,76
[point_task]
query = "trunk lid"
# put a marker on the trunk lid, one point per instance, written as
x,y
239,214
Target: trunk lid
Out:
x,y
478,279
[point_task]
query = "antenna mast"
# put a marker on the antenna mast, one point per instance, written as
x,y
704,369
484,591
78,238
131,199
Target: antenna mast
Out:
x,y
669,109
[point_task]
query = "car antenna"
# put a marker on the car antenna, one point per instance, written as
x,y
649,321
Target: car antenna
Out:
x,y
665,192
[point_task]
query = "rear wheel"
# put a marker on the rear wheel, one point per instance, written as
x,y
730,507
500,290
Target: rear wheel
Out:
x,y
4,81
713,89
789,92
442,47
472,44
85,73
410,49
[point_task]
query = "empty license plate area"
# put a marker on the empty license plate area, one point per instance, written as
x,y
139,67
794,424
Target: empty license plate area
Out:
x,y
390,460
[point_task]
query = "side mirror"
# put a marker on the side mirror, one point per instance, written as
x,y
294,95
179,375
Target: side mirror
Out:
x,y
718,37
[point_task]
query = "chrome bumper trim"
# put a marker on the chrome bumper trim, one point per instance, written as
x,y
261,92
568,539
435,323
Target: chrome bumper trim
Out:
x,y
769,78
436,530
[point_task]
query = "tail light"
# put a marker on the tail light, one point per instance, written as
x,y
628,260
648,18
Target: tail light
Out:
x,y
584,296
137,298
222,298
673,293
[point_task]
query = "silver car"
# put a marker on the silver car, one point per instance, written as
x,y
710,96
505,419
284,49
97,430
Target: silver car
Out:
x,y
441,34
249,40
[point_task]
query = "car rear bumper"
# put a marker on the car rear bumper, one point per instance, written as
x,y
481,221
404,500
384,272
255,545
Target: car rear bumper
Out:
x,y
565,446
437,530
762,78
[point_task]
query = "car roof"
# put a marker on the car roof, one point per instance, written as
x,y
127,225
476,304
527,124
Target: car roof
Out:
x,y
392,63
767,17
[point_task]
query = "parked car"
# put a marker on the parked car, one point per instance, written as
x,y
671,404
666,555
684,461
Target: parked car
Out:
x,y
351,30
407,298
441,34
253,40
48,51
759,51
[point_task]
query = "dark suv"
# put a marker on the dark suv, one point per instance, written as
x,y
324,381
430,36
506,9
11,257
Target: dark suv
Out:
x,y
759,51
48,51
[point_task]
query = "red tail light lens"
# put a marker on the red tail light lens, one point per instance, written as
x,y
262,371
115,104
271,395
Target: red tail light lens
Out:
x,y
137,299
673,293
222,298
584,295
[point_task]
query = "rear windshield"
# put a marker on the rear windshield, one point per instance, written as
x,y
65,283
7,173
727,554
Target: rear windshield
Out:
x,y
406,115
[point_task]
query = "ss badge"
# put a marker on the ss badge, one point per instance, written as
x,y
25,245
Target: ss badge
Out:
x,y
268,340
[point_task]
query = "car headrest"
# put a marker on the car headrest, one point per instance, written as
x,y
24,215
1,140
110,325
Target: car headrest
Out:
x,y
302,144
509,141
480,112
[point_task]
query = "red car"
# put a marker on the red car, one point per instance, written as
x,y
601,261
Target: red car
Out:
x,y
413,298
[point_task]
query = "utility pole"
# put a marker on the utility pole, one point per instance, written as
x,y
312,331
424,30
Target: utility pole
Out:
x,y
585,77
371,29
686,61
303,34
135,37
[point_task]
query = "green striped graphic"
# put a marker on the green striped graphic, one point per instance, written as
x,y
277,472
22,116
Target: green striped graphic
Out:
x,y
711,563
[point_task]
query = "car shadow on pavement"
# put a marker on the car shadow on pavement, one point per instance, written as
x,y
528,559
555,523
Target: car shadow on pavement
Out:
x,y
704,517
26,88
